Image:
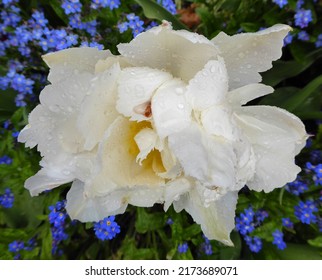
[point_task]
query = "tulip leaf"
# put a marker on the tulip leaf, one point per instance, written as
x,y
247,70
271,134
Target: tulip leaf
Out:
x,y
155,11
299,252
312,89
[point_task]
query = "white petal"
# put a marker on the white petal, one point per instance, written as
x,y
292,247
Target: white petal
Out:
x,y
41,181
217,120
208,159
84,207
181,53
247,54
242,95
276,136
98,108
170,109
146,141
73,61
209,86
216,220
136,86
173,191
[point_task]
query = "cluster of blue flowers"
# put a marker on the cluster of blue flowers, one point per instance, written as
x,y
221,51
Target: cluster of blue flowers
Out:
x,y
297,187
183,248
136,24
7,199
107,228
168,5
316,171
5,160
206,246
278,239
305,210
111,4
246,223
57,218
302,18
17,246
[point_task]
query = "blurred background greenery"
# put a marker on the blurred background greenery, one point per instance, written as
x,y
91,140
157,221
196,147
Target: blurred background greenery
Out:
x,y
283,224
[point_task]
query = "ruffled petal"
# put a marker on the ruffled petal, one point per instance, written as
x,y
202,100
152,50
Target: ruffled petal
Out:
x,y
136,87
209,86
73,61
240,96
170,109
85,207
216,220
98,108
180,53
117,155
276,136
246,54
208,159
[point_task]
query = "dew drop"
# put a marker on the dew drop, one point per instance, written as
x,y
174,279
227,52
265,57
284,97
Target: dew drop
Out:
x,y
205,73
54,108
42,119
180,106
69,109
241,55
213,69
248,66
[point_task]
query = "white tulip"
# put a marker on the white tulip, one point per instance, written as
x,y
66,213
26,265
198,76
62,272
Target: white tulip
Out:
x,y
164,122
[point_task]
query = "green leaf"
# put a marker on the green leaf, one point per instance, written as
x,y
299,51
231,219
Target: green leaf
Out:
x,y
56,6
301,96
148,222
153,10
283,70
191,231
316,242
299,252
232,253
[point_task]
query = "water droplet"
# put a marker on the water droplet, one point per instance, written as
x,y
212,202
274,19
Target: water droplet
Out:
x,y
180,106
248,66
69,109
214,68
54,108
60,136
205,73
42,119
241,55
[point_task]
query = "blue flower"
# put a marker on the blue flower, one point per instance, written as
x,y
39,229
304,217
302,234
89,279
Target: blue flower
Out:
x,y
107,228
169,5
303,36
278,239
297,187
280,3
299,4
183,248
304,212
5,160
260,216
245,221
303,18
169,222
16,246
318,42
255,244
7,199
123,26
287,222
71,6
